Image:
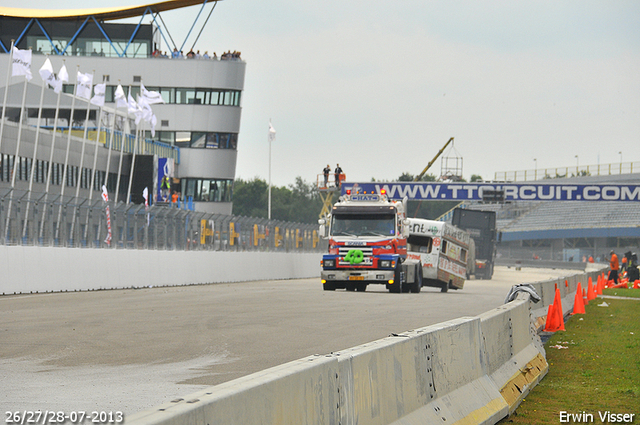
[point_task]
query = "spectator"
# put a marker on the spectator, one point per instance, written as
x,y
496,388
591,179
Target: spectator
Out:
x,y
326,172
613,265
191,54
206,55
338,172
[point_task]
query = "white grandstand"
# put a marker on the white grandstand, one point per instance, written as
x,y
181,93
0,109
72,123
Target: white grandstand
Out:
x,y
560,230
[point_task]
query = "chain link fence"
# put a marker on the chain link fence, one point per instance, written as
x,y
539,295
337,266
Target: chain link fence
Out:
x,y
41,220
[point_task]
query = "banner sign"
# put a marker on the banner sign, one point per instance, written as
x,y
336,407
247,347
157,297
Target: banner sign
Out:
x,y
512,191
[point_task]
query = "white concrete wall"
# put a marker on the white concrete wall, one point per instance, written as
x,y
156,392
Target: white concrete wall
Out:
x,y
27,269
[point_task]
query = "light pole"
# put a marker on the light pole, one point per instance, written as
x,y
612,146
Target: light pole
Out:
x,y
577,165
620,161
535,172
271,137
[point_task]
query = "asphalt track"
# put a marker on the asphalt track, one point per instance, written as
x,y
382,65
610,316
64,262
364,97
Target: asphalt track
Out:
x,y
129,350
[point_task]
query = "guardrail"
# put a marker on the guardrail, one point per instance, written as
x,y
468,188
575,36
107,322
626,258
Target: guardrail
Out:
x,y
473,370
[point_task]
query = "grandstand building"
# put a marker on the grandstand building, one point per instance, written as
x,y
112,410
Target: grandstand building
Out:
x,y
568,230
196,136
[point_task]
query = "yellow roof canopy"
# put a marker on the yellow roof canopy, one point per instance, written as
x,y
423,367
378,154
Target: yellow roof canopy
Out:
x,y
101,14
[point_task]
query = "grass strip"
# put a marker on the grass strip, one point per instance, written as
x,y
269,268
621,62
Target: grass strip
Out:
x,y
594,367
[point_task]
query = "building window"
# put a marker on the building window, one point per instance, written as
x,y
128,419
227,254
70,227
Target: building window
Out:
x,y
208,190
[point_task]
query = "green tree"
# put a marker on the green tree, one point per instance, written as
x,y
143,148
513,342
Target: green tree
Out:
x,y
476,178
299,202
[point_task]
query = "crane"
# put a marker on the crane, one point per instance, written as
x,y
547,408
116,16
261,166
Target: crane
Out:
x,y
419,176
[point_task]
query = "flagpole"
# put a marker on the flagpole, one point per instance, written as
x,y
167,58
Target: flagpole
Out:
x,y
53,144
133,163
33,161
15,158
84,143
6,92
122,150
113,129
66,158
95,165
269,137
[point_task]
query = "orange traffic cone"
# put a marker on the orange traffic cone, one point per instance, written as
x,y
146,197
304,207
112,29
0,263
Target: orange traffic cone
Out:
x,y
584,297
555,318
578,303
600,286
591,293
566,283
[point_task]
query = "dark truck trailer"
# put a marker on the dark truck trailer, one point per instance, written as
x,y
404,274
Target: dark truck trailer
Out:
x,y
481,225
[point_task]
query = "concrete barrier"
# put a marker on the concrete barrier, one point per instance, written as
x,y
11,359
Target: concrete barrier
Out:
x,y
472,370
30,269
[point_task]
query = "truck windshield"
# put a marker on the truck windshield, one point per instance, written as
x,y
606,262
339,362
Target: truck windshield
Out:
x,y
363,225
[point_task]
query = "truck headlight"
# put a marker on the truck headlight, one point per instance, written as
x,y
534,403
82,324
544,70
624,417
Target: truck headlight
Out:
x,y
386,264
329,263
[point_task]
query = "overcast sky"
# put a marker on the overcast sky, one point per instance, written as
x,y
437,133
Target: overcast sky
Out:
x,y
381,86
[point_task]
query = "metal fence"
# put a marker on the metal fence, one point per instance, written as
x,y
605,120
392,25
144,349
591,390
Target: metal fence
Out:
x,y
576,171
38,220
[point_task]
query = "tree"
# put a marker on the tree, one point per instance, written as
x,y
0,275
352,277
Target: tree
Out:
x,y
299,202
476,178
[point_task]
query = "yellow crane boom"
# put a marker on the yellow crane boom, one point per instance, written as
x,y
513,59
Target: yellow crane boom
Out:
x,y
419,176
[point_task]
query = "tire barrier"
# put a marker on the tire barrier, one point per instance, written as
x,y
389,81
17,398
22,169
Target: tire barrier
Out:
x,y
471,370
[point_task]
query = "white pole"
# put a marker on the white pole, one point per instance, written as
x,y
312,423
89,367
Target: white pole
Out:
x,y
6,92
133,163
33,162
50,168
122,149
110,147
66,158
269,178
16,158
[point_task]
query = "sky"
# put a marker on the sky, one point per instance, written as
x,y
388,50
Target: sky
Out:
x,y
379,87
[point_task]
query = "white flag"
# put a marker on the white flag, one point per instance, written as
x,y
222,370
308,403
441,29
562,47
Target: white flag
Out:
x,y
132,106
105,194
121,98
98,94
154,121
21,63
151,97
63,77
272,133
83,86
147,113
46,72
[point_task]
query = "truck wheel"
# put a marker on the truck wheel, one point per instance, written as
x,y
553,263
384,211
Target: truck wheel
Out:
x,y
328,287
396,288
361,287
445,287
351,287
417,284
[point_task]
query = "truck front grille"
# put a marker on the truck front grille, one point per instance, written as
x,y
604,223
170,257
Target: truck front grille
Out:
x,y
366,250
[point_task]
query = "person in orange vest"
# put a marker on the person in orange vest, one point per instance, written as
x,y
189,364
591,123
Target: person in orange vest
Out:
x,y
591,258
623,267
613,265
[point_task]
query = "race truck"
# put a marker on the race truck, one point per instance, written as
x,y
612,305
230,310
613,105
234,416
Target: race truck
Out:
x,y
445,252
368,245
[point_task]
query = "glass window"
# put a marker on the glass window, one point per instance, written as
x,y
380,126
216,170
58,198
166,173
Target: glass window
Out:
x,y
183,139
198,140
212,140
